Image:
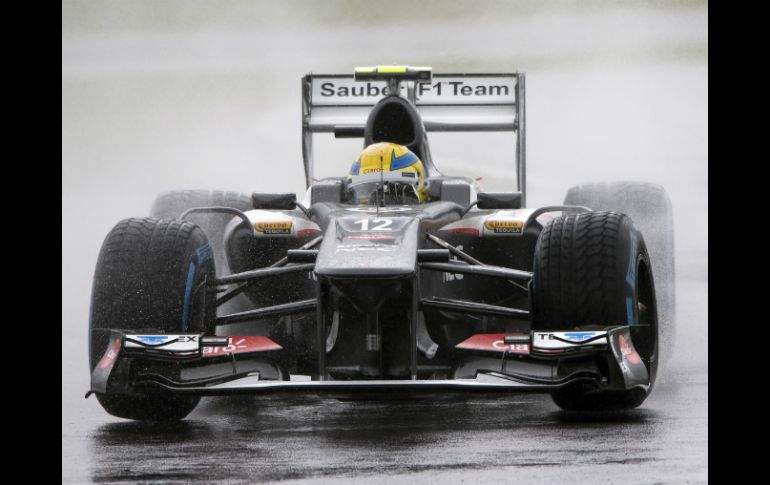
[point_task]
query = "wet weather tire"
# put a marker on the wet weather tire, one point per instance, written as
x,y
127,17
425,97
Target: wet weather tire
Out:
x,y
592,269
649,206
171,205
150,277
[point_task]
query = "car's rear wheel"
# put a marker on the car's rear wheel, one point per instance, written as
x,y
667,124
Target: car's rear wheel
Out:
x,y
151,276
593,269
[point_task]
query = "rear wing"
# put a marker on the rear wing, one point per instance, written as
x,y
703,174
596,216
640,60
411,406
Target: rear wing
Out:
x,y
340,104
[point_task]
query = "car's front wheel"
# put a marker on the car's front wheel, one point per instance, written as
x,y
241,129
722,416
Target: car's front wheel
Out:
x,y
650,208
150,276
593,269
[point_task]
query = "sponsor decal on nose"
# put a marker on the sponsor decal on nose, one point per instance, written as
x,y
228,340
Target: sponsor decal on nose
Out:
x,y
279,227
504,226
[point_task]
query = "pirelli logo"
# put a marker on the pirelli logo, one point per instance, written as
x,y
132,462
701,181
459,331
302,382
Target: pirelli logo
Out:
x,y
283,227
504,226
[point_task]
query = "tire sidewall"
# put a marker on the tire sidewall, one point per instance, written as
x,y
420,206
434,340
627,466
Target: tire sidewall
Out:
x,y
199,304
632,253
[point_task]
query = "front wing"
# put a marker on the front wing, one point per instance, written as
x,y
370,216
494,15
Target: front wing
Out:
x,y
209,366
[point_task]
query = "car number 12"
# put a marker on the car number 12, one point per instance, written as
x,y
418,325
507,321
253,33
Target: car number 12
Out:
x,y
377,224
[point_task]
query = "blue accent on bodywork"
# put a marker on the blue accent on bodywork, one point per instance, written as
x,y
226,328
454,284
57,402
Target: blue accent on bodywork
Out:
x,y
151,339
403,161
355,168
187,295
579,336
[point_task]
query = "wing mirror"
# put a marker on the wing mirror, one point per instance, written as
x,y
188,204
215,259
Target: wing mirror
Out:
x,y
499,200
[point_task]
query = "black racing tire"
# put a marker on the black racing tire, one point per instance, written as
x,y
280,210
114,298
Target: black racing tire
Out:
x,y
171,205
150,276
592,269
650,208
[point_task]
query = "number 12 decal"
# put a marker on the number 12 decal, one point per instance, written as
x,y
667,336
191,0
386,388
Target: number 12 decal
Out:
x,y
378,224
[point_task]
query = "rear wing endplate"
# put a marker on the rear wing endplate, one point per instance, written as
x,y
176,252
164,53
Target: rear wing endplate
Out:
x,y
446,103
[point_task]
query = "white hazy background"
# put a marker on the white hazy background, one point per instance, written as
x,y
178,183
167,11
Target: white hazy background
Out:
x,y
197,94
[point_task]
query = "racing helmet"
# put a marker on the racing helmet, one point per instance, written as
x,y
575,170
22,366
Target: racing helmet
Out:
x,y
387,173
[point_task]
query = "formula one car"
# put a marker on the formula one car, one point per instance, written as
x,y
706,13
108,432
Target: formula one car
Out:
x,y
394,279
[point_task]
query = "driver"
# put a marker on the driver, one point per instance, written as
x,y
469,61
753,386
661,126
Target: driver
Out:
x,y
386,173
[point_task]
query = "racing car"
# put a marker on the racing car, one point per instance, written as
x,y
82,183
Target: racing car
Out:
x,y
393,279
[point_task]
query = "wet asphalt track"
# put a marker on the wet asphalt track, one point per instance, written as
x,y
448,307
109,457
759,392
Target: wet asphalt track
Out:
x,y
173,101
521,439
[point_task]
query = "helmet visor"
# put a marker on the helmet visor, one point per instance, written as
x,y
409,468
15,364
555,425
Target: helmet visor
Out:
x,y
388,188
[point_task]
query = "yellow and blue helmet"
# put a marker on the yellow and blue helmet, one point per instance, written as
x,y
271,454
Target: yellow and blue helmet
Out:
x,y
390,171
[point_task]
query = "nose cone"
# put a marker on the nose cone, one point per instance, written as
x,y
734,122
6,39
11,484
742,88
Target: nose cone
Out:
x,y
368,259
369,247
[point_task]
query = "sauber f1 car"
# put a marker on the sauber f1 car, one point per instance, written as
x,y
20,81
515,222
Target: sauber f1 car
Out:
x,y
396,278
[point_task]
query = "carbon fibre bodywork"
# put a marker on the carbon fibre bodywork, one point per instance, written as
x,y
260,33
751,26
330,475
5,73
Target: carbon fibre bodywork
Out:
x,y
431,297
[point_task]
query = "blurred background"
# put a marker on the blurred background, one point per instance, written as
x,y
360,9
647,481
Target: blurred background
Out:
x,y
160,95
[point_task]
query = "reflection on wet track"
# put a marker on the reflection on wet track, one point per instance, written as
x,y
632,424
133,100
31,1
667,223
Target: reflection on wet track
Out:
x,y
271,438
